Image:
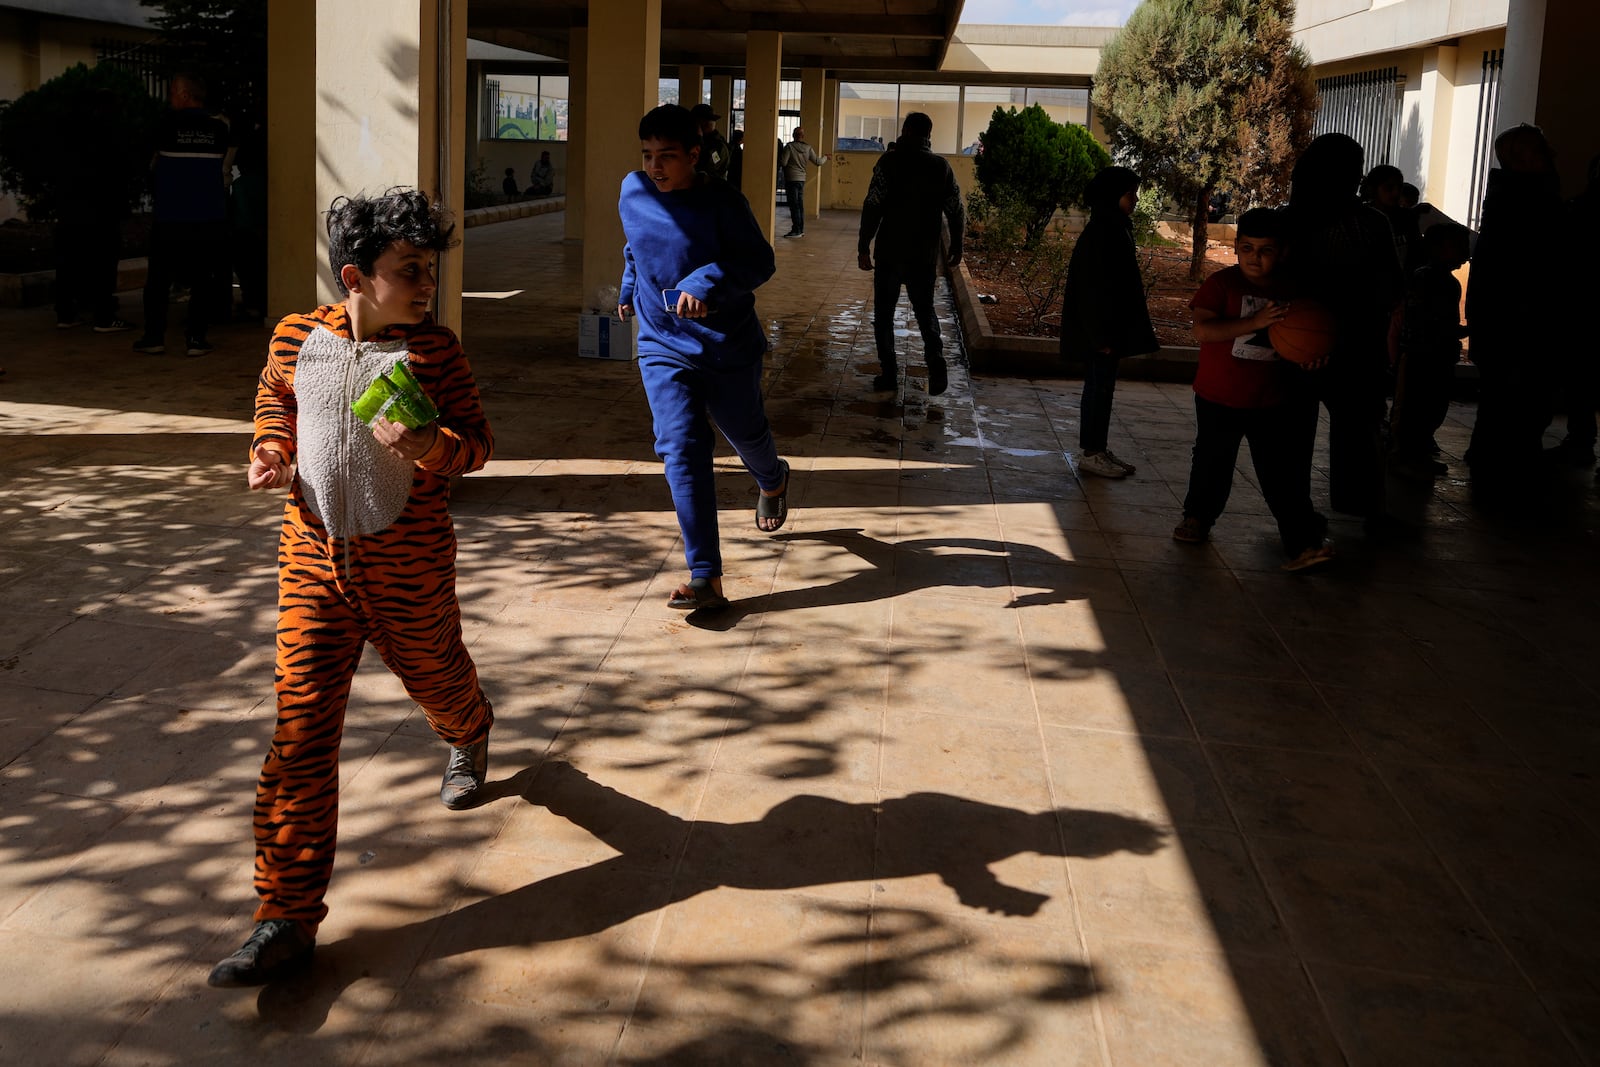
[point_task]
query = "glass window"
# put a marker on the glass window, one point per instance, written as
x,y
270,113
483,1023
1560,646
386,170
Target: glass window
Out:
x,y
525,107
1063,105
516,107
869,115
666,90
553,109
977,109
941,103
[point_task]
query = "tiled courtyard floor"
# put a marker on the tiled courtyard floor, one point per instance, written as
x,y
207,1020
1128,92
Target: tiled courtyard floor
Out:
x,y
982,768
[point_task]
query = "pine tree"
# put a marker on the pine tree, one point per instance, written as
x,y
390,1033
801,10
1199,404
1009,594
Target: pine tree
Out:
x,y
224,41
1202,95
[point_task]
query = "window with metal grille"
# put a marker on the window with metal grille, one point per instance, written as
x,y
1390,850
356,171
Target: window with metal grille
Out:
x,y
1365,106
145,61
1483,138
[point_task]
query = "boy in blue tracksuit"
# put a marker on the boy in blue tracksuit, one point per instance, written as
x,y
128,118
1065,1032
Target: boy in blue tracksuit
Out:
x,y
700,358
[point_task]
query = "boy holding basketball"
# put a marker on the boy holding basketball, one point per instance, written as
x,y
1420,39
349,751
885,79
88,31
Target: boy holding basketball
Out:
x,y
1244,391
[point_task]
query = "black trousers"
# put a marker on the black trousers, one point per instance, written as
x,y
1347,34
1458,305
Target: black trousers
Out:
x,y
86,269
795,192
1281,441
1354,389
1421,399
1094,414
1513,406
250,264
917,278
196,252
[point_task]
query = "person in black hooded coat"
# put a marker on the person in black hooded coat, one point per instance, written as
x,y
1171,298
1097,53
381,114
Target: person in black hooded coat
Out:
x,y
1342,254
1103,314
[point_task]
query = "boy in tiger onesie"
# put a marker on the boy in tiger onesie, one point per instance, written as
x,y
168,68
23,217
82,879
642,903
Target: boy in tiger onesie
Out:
x,y
366,553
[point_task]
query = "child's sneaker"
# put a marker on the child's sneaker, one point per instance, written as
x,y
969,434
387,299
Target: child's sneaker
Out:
x,y
1191,531
1104,465
1312,558
1128,468
464,775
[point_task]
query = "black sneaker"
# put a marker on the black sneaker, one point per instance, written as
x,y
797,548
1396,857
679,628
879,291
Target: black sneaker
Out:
x,y
198,346
275,949
464,775
938,376
150,346
112,326
885,382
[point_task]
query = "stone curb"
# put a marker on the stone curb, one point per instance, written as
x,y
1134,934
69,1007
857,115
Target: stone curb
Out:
x,y
521,209
33,288
1040,357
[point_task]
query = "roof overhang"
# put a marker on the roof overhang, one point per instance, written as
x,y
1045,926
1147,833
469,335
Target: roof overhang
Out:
x,y
847,37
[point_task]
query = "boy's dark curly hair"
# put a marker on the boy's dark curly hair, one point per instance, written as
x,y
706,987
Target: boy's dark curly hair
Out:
x,y
361,228
669,122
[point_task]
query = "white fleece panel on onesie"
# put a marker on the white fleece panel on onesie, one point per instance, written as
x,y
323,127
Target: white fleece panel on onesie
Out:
x,y
351,482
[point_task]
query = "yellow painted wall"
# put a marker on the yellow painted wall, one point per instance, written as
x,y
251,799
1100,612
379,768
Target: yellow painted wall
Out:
x,y
854,174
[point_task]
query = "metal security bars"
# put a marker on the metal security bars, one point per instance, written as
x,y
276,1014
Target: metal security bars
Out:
x,y
1365,106
1483,138
147,62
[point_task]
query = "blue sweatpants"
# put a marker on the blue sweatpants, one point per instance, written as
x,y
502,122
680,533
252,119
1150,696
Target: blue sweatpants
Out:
x,y
686,398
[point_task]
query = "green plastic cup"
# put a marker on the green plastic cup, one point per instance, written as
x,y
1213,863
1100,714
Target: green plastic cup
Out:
x,y
396,396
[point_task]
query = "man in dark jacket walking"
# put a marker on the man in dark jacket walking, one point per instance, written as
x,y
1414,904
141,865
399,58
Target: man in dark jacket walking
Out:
x,y
911,191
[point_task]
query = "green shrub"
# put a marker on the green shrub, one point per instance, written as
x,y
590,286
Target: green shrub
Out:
x,y
1032,160
82,138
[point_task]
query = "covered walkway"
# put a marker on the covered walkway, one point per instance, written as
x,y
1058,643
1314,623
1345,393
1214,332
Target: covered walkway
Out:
x,y
982,768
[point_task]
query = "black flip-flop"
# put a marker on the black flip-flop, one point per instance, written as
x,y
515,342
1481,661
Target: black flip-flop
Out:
x,y
774,507
702,596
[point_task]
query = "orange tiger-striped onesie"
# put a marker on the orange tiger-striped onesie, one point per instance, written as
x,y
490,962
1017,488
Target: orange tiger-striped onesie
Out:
x,y
366,553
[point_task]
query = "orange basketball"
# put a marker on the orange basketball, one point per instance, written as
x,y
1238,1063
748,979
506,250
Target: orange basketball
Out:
x,y
1305,334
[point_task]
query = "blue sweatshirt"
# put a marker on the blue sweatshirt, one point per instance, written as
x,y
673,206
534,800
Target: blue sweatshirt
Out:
x,y
705,241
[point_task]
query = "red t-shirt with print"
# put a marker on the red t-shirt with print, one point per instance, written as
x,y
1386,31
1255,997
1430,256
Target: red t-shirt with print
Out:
x,y
1244,372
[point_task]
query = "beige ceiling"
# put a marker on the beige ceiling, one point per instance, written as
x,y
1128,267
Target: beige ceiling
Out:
x,y
857,36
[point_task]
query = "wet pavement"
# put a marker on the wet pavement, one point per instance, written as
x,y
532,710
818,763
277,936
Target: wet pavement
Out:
x,y
981,767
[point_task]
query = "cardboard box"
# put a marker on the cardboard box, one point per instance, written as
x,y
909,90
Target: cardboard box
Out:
x,y
607,337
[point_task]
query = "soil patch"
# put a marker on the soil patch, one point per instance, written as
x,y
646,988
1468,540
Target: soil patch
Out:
x,y
1169,290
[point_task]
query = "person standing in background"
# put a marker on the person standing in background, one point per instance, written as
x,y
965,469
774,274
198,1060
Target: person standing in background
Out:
x,y
794,157
193,162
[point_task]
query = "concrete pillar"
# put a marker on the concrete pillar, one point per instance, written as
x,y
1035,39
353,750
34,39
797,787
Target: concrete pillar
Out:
x,y
1437,88
830,118
293,268
1549,50
381,90
691,79
623,82
442,133
722,100
762,71
1519,88
811,110
577,131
